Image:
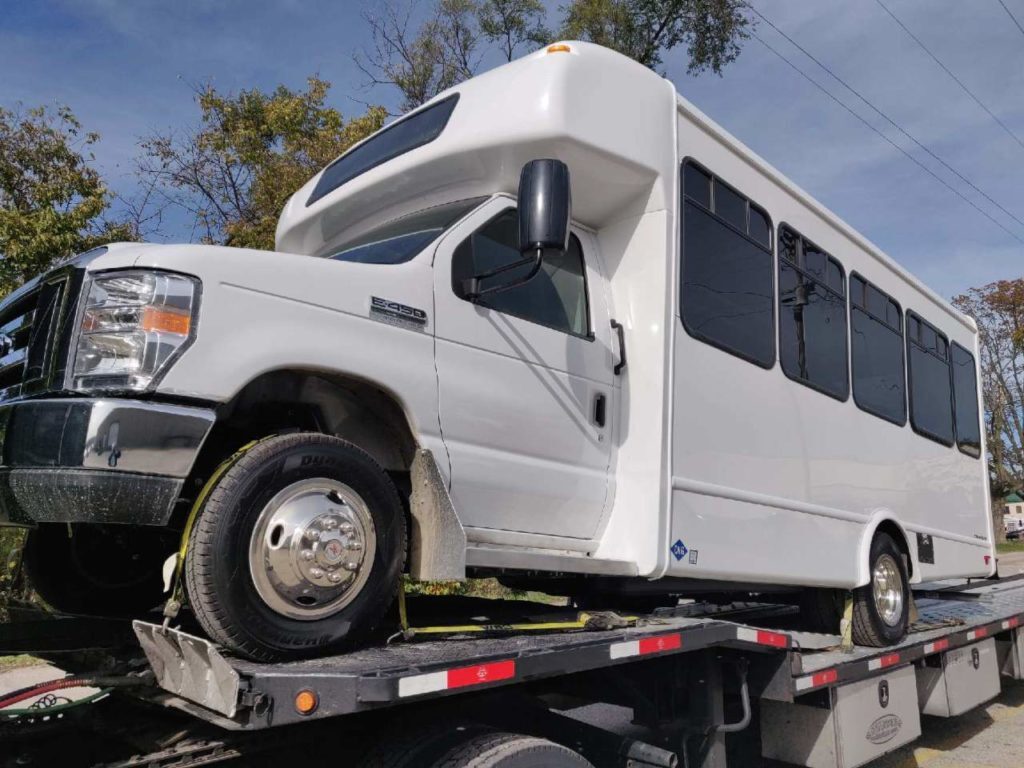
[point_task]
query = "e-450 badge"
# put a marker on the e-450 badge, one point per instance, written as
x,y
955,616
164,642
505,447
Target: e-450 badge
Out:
x,y
395,313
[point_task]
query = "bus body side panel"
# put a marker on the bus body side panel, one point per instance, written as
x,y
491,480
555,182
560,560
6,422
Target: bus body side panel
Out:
x,y
776,482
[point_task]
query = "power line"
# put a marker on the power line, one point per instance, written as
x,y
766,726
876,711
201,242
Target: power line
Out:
x,y
1010,14
949,72
900,149
888,119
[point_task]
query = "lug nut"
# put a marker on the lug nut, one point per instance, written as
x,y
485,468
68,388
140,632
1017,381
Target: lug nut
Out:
x,y
313,535
307,554
353,546
335,578
330,524
351,566
347,528
316,573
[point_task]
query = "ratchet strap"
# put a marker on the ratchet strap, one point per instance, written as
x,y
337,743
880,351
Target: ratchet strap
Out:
x,y
177,599
585,621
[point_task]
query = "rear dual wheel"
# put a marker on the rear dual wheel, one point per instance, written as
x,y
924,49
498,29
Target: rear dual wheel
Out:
x,y
297,548
881,608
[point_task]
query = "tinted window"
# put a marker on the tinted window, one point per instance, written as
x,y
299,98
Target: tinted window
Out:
x,y
726,276
931,401
876,334
417,129
556,297
401,239
812,317
965,400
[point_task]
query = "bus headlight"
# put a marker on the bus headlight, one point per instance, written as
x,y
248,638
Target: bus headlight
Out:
x,y
132,325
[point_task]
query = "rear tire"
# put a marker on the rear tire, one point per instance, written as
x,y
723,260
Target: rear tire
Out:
x,y
881,608
821,610
297,549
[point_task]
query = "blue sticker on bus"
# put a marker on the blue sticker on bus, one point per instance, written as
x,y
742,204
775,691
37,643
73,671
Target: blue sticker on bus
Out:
x,y
679,550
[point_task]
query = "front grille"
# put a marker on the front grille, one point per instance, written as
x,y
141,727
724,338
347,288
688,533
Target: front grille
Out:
x,y
30,323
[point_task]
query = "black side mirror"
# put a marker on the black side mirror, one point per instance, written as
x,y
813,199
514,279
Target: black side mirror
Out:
x,y
545,210
544,206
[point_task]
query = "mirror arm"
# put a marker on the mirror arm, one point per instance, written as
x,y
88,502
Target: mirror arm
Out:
x,y
471,286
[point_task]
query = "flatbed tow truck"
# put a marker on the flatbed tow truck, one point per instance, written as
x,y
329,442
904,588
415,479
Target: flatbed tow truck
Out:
x,y
705,685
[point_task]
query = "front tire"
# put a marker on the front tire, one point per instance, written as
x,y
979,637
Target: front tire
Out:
x,y
881,608
297,549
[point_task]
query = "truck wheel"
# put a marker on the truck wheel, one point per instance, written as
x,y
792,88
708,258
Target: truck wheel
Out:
x,y
297,549
881,608
98,570
509,750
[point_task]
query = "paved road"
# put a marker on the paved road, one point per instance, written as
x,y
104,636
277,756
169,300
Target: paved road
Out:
x,y
1011,564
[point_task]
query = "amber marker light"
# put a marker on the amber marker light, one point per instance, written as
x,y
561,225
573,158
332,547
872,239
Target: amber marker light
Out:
x,y
559,48
166,321
306,702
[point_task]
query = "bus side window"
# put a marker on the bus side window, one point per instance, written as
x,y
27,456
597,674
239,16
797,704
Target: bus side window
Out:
x,y
965,401
931,397
876,333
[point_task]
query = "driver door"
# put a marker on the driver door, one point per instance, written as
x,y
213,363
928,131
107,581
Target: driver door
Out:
x,y
525,381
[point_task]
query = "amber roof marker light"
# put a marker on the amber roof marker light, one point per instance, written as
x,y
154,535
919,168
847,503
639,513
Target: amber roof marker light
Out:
x,y
558,48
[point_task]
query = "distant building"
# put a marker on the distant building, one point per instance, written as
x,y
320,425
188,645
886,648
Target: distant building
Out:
x,y
1014,504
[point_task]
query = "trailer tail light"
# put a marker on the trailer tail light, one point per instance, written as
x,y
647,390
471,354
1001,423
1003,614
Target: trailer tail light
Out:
x,y
460,677
558,48
988,559
306,702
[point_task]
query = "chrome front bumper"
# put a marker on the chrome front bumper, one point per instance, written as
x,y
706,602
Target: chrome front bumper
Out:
x,y
96,460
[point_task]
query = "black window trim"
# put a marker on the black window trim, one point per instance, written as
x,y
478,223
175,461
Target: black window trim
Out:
x,y
824,284
314,197
977,402
910,387
770,250
903,352
588,336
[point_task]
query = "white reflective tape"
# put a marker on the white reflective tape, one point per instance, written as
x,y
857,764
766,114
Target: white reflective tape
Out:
x,y
420,684
625,650
746,634
803,683
874,664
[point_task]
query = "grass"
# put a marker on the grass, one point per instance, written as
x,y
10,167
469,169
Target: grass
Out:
x,y
1005,547
16,662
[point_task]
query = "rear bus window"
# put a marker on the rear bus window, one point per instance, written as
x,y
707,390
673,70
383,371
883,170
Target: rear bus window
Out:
x,y
726,285
965,401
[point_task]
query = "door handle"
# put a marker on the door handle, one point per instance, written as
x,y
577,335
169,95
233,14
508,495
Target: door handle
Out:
x,y
617,327
600,403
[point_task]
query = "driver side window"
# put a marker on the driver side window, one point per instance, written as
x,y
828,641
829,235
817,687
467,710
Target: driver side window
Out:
x,y
556,297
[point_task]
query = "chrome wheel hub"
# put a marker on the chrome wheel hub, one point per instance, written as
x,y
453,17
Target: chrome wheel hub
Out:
x,y
887,587
312,549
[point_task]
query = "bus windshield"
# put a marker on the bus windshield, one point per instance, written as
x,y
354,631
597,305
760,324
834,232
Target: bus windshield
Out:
x,y
400,240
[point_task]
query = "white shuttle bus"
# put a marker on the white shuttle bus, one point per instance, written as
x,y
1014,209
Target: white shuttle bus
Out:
x,y
555,325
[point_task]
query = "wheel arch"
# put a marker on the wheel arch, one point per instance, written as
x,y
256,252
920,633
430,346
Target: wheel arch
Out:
x,y
884,522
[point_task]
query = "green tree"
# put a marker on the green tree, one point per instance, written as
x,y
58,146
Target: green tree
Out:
x,y
511,24
250,152
998,309
52,201
455,37
711,30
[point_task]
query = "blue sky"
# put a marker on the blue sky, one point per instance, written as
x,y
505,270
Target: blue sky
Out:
x,y
125,67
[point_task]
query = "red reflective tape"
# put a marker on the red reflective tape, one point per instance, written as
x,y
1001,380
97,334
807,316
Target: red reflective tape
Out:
x,y
940,645
481,673
661,643
824,678
980,632
773,639
888,661
1015,621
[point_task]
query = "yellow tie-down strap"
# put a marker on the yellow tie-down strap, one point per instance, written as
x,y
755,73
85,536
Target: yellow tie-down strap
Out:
x,y
177,599
592,621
